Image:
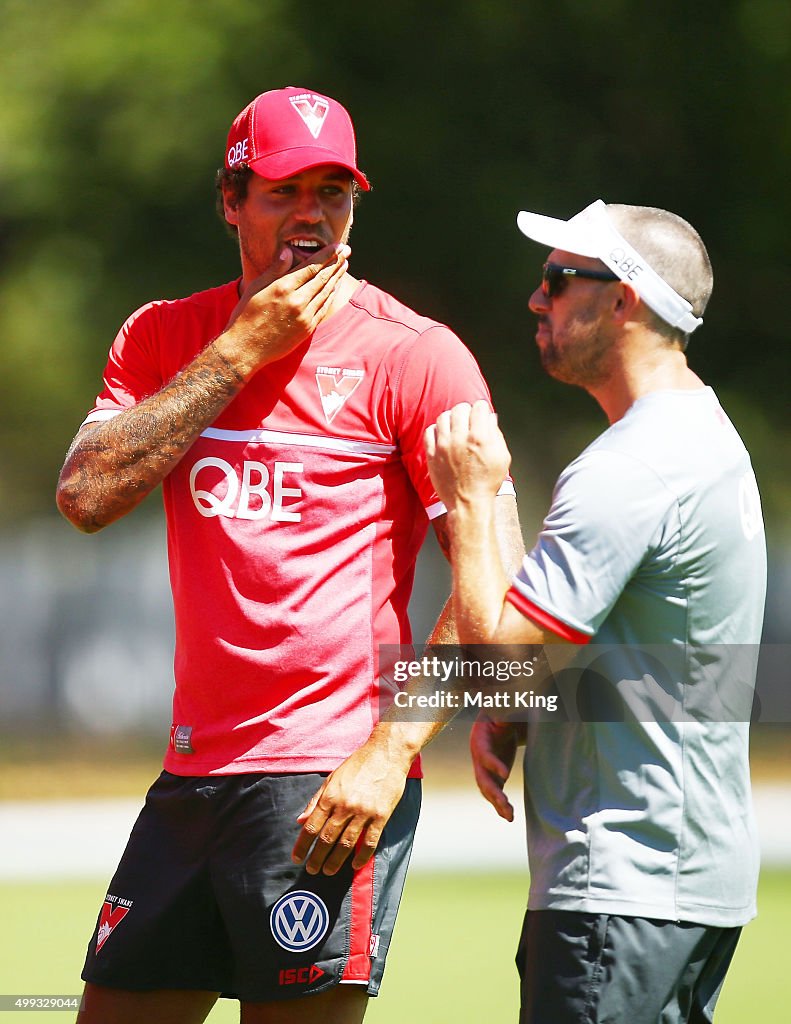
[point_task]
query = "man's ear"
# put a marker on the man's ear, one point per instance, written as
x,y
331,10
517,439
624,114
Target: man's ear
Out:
x,y
625,303
230,203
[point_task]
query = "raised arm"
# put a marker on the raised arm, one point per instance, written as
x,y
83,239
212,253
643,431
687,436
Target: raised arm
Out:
x,y
111,466
467,457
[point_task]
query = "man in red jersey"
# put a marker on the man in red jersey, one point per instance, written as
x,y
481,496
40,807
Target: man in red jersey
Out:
x,y
284,415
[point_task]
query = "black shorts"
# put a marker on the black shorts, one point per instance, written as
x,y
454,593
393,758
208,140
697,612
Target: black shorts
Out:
x,y
597,968
206,895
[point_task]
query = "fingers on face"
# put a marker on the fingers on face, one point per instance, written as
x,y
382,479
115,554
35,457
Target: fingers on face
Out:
x,y
311,283
329,258
317,288
314,277
325,268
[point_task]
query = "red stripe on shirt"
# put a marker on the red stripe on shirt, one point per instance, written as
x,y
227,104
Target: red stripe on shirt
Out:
x,y
544,619
358,966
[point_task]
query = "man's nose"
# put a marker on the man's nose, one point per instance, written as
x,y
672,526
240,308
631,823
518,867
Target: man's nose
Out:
x,y
309,206
539,302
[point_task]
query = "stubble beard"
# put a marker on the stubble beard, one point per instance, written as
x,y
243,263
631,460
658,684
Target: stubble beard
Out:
x,y
584,362
256,258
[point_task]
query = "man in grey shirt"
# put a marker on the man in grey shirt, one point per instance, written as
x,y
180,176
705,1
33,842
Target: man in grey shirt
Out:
x,y
641,838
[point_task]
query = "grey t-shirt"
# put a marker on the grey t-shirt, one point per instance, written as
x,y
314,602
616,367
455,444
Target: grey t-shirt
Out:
x,y
653,547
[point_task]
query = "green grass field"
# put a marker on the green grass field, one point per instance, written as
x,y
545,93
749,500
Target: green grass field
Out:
x,y
452,960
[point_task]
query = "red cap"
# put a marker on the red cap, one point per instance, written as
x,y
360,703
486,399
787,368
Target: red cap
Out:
x,y
286,131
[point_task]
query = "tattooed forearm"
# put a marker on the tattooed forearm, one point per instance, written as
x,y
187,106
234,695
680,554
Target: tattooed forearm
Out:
x,y
111,466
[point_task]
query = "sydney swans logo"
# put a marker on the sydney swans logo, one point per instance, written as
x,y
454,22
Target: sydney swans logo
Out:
x,y
312,110
335,386
114,910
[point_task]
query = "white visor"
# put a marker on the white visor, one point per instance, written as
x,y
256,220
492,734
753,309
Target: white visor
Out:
x,y
592,233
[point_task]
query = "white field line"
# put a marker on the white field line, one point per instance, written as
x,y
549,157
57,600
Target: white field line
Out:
x,y
84,838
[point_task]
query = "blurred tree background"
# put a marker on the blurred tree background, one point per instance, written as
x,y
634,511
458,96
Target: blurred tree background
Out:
x,y
113,117
113,120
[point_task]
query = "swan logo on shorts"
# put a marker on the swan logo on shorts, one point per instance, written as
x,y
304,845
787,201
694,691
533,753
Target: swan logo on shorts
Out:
x,y
299,921
114,910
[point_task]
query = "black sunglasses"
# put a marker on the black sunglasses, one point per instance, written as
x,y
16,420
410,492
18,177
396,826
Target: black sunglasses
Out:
x,y
555,277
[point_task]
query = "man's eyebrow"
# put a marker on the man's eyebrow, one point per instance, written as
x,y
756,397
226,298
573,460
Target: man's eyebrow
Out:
x,y
340,175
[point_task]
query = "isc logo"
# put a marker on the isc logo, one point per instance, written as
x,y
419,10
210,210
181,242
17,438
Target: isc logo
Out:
x,y
248,498
300,975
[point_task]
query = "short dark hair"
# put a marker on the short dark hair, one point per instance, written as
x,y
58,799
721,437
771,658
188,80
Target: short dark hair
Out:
x,y
674,250
237,180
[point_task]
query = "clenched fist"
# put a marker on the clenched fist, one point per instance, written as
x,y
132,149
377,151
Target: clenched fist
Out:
x,y
468,458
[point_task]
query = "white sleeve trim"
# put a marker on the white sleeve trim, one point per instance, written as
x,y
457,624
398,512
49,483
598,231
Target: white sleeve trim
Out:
x,y
438,508
98,415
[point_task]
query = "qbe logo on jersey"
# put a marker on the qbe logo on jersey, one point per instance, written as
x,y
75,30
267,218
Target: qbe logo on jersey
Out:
x,y
299,921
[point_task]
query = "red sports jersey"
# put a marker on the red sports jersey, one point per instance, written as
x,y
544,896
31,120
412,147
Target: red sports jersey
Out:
x,y
294,523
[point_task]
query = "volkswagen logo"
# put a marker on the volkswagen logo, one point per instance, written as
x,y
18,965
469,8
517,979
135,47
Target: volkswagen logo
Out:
x,y
299,921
